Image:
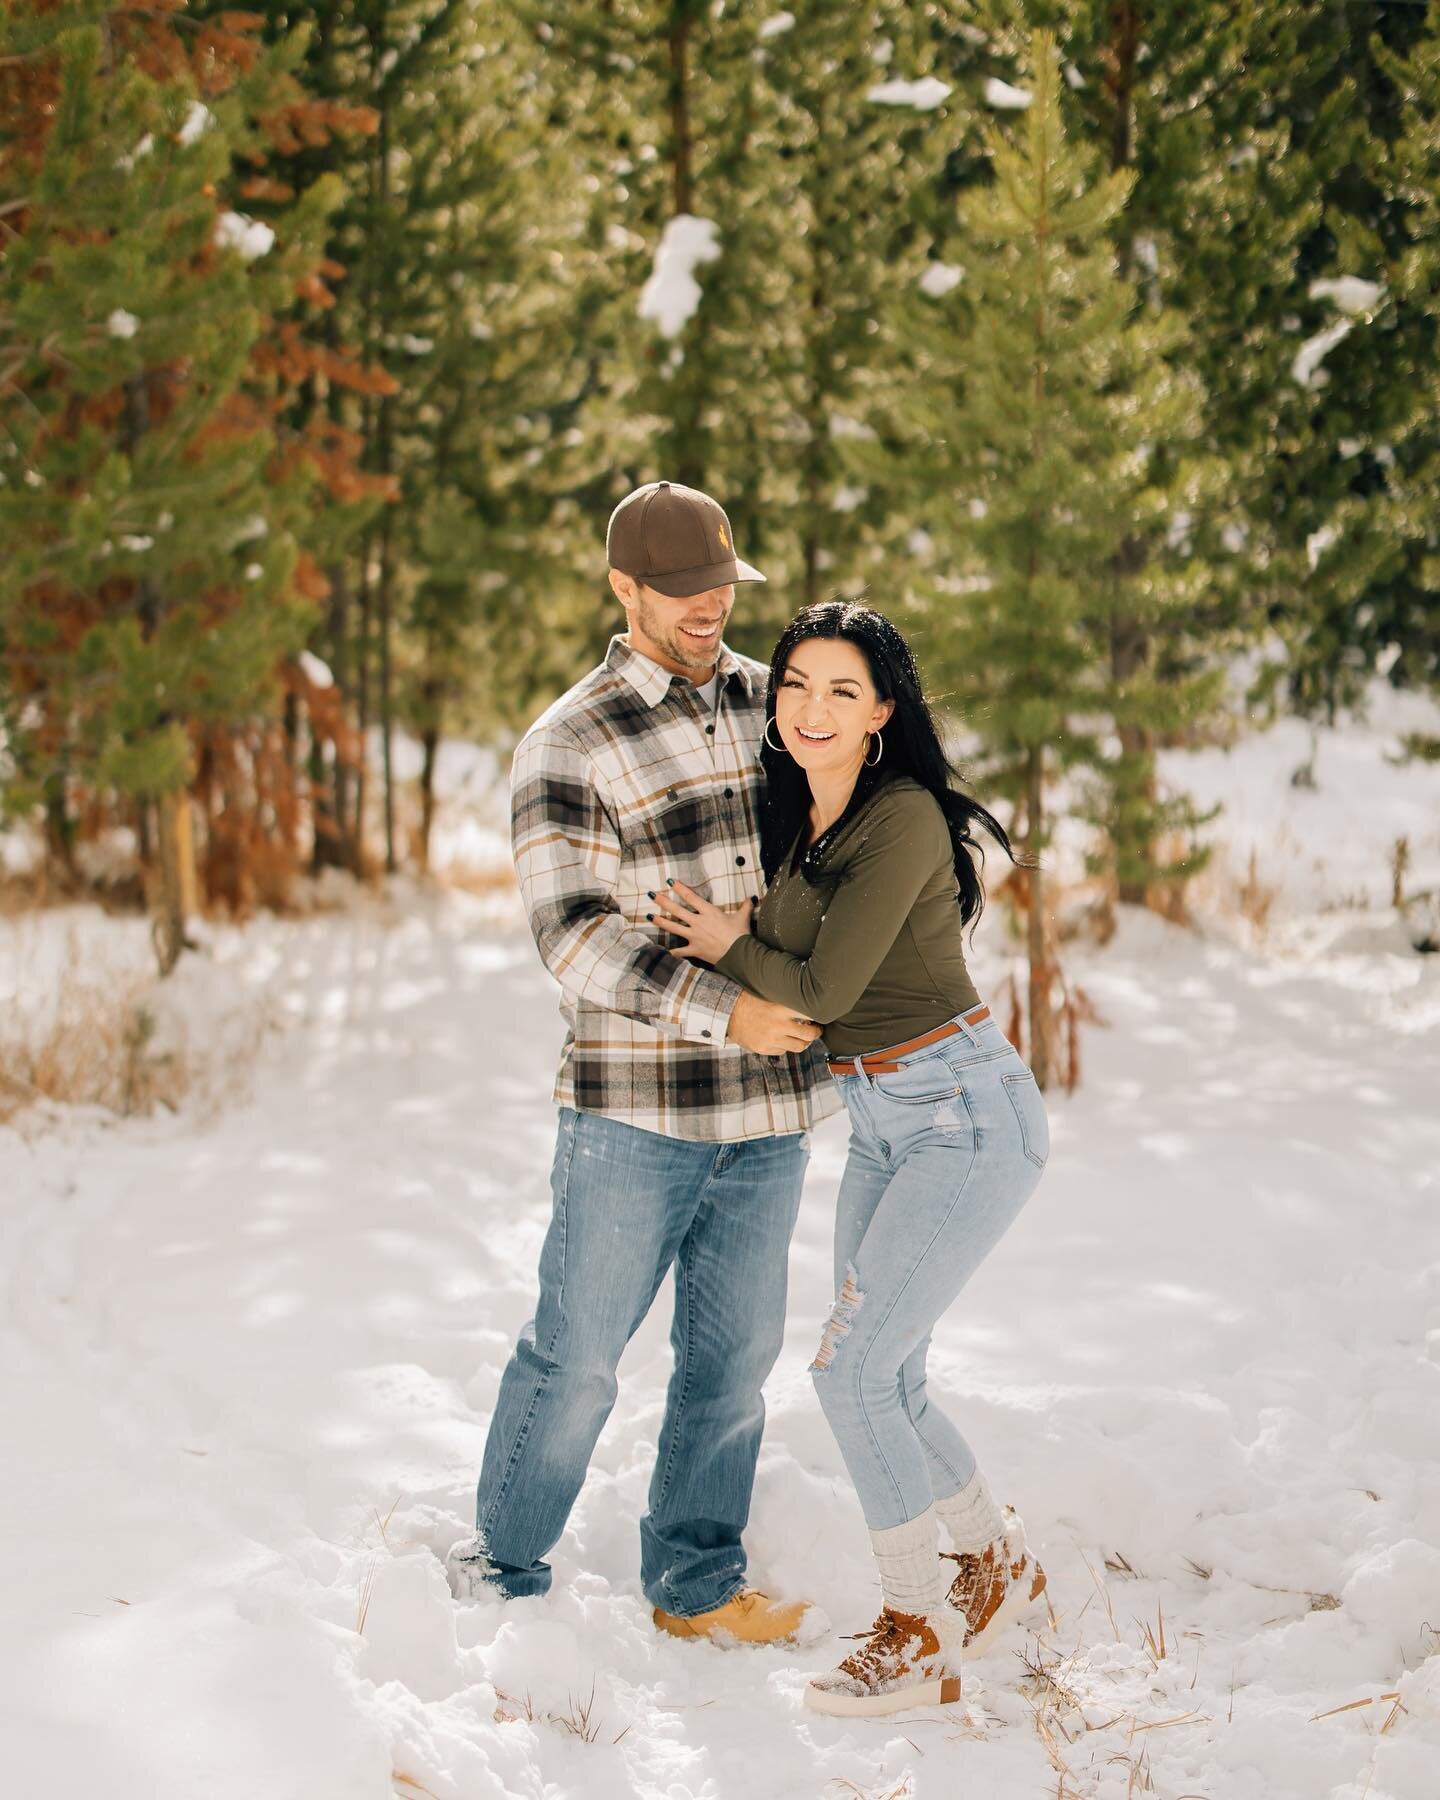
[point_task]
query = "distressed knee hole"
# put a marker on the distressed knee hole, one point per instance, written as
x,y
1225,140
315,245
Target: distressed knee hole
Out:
x,y
847,1303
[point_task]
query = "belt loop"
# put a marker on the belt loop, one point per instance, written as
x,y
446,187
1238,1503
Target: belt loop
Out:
x,y
967,1030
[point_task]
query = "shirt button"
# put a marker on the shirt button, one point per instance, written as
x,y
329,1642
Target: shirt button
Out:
x,y
740,862
710,729
729,793
703,1032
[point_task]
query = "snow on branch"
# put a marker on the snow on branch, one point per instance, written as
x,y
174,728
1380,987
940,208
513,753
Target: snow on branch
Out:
x,y
924,95
672,293
1005,98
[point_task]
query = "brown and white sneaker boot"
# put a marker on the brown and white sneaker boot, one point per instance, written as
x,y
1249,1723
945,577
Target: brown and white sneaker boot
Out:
x,y
993,1587
900,1663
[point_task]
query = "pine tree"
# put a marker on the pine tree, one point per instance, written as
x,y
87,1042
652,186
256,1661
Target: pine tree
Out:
x,y
1047,408
1407,621
158,575
853,120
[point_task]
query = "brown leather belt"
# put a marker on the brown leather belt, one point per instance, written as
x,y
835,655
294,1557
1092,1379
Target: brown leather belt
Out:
x,y
881,1062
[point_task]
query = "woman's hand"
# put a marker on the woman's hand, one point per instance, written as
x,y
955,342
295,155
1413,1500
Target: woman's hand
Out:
x,y
706,932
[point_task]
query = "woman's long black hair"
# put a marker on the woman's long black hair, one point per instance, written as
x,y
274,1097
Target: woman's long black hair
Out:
x,y
911,747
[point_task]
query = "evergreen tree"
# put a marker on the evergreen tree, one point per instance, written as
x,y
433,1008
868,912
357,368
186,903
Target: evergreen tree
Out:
x,y
155,573
1407,623
1047,412
854,119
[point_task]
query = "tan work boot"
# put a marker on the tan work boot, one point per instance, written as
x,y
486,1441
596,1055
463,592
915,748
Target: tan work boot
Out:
x,y
994,1586
900,1664
748,1617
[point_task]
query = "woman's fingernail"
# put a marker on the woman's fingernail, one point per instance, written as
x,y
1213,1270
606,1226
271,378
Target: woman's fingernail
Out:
x,y
650,893
650,917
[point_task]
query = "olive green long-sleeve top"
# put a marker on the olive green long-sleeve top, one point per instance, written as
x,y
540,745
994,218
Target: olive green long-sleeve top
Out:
x,y
873,952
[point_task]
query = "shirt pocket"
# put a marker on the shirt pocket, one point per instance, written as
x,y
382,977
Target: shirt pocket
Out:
x,y
663,831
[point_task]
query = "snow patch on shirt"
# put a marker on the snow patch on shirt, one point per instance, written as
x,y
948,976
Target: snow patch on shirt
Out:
x,y
777,24
122,324
672,293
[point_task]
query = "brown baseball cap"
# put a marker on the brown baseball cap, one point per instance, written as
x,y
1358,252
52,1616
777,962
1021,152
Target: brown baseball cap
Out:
x,y
675,539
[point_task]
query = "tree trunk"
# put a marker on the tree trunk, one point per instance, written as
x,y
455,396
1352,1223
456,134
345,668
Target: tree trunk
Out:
x,y
681,176
362,706
430,740
1129,638
1042,1013
178,893
386,694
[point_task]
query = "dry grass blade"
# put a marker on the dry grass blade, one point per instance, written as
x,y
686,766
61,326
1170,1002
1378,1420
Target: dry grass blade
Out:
x,y
522,1709
1197,1568
1154,1641
367,1588
1120,1564
382,1523
1164,1724
1104,1594
409,1785
577,1720
1053,1689
1354,1705
903,1789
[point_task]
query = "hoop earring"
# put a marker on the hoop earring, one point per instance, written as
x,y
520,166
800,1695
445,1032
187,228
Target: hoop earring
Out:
x,y
779,749
879,744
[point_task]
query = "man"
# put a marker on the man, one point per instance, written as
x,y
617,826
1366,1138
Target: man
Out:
x,y
683,1100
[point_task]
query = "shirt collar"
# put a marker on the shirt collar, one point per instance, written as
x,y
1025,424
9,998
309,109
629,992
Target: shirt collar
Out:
x,y
652,683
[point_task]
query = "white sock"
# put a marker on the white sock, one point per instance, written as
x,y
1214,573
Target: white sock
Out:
x,y
971,1517
909,1564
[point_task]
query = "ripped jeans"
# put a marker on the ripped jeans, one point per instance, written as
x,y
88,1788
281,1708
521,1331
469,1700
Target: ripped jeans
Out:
x,y
943,1154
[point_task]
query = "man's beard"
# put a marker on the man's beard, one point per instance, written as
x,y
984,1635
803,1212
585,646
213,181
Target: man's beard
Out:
x,y
674,642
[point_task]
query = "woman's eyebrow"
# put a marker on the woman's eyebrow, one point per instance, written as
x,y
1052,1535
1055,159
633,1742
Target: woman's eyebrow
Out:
x,y
795,669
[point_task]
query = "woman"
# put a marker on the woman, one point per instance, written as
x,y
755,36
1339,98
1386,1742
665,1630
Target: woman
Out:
x,y
868,853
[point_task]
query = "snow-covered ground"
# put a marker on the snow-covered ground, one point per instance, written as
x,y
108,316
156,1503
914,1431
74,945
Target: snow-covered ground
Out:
x,y
250,1349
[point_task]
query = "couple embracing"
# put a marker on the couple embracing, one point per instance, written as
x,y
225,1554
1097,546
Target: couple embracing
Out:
x,y
751,887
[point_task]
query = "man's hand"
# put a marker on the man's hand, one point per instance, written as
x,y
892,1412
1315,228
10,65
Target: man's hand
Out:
x,y
768,1029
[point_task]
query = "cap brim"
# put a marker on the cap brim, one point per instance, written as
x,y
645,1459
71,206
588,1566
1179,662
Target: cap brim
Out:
x,y
680,584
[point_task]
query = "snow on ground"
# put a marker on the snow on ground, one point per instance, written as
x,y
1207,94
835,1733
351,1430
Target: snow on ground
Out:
x,y
251,1355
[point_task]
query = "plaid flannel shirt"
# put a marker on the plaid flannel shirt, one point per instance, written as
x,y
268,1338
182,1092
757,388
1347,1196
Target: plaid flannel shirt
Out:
x,y
624,781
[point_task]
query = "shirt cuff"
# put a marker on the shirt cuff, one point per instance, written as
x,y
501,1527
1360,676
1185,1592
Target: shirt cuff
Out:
x,y
706,1009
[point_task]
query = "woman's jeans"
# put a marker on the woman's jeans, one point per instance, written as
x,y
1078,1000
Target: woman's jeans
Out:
x,y
629,1205
943,1155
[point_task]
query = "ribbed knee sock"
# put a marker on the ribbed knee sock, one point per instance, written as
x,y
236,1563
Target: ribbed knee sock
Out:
x,y
907,1557
971,1517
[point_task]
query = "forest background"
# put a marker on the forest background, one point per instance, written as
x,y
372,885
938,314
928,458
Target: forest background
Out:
x,y
1094,341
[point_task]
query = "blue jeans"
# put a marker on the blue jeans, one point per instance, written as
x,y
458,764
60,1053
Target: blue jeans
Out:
x,y
943,1155
628,1205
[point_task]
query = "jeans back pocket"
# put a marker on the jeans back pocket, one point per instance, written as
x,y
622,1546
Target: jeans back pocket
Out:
x,y
1024,1095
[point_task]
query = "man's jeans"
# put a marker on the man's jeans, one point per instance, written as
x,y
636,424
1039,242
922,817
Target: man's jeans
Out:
x,y
627,1205
943,1155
